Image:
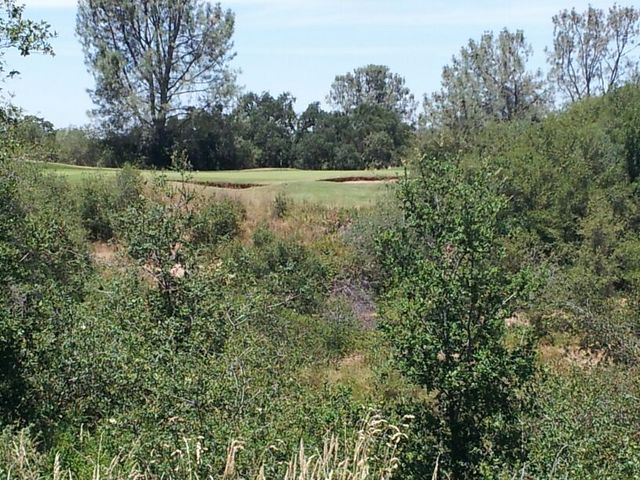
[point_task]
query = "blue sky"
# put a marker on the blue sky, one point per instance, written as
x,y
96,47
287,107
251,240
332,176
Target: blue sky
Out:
x,y
301,45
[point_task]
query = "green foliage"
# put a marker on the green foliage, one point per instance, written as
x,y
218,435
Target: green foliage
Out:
x,y
121,52
181,344
265,126
283,267
281,205
569,182
446,302
365,229
367,136
96,207
373,85
216,221
209,138
24,35
78,146
625,116
44,263
488,81
103,200
589,428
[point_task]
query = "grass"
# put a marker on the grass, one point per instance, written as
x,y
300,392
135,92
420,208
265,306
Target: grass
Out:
x,y
370,454
299,185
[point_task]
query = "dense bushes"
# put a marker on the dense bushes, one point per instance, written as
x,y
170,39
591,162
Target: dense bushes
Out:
x,y
575,204
193,338
103,200
572,212
44,262
589,428
208,329
216,221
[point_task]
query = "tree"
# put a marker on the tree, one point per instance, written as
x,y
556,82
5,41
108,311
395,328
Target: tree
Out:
x,y
317,136
153,58
447,296
207,136
488,81
592,51
378,135
372,84
370,136
266,126
26,36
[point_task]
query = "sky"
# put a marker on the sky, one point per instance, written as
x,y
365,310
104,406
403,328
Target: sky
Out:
x,y
299,46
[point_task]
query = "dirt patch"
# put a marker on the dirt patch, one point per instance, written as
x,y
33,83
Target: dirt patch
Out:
x,y
360,299
572,355
227,185
103,253
518,319
362,179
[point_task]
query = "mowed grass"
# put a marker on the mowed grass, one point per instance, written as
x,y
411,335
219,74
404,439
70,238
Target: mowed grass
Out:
x,y
299,185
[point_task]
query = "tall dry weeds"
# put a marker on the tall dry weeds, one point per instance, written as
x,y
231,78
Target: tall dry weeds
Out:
x,y
370,454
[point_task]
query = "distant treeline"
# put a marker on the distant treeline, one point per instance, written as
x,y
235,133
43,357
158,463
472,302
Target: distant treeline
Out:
x,y
145,113
262,131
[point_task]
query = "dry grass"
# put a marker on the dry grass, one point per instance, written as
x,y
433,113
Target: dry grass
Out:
x,y
370,454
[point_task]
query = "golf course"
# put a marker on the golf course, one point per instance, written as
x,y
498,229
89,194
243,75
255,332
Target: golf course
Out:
x,y
334,188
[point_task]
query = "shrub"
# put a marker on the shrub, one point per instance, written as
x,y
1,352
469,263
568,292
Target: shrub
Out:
x,y
283,267
103,199
129,188
589,427
44,265
281,205
216,221
97,207
446,300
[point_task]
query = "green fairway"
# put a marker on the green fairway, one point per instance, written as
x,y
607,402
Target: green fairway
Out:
x,y
300,185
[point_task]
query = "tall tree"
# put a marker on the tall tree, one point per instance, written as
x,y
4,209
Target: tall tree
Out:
x,y
488,81
593,51
372,84
152,58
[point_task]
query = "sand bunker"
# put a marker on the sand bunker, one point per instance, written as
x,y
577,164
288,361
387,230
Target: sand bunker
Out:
x,y
356,180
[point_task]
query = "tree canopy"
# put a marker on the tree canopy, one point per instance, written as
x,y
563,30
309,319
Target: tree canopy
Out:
x,y
488,80
592,51
153,58
372,84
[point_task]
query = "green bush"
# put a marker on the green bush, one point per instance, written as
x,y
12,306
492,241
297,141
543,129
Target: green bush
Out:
x,y
97,207
44,265
588,427
103,199
284,267
281,205
446,298
216,221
